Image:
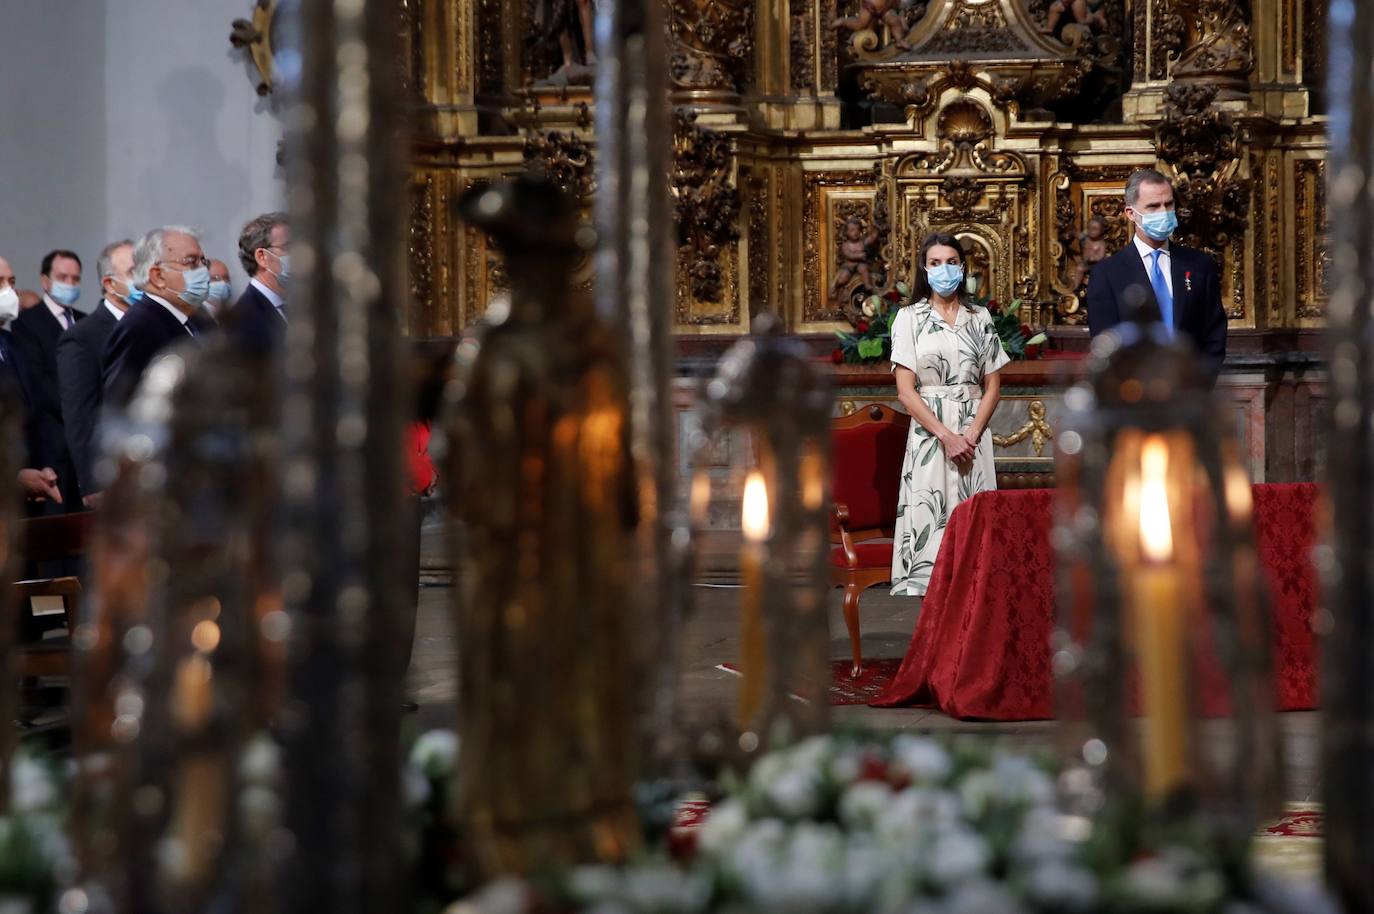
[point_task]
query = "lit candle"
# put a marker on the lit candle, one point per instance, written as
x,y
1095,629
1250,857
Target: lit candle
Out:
x,y
752,650
1160,633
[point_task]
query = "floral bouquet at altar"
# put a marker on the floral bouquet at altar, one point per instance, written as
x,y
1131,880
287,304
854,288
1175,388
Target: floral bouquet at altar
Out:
x,y
871,341
1019,341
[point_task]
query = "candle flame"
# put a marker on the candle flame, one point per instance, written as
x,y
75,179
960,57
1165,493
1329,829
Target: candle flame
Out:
x,y
1156,533
700,502
755,512
1238,498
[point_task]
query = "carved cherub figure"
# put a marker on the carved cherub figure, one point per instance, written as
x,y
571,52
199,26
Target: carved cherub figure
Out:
x,y
854,256
1084,12
1093,245
872,12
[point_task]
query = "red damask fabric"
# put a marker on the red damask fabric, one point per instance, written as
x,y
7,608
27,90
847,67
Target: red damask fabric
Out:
x,y
981,645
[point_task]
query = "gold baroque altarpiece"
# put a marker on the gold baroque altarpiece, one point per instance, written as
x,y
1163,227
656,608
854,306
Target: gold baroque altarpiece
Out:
x,y
815,136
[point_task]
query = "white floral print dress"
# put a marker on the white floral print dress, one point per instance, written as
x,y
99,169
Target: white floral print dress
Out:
x,y
950,364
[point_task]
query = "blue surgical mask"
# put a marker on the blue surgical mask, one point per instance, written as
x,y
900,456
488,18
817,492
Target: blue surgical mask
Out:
x,y
1159,225
945,278
283,261
197,286
64,294
219,292
132,292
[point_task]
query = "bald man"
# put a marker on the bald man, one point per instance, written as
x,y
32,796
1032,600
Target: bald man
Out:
x,y
37,484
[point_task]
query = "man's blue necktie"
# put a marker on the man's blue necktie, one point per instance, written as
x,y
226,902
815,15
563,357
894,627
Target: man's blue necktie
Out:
x,y
1162,294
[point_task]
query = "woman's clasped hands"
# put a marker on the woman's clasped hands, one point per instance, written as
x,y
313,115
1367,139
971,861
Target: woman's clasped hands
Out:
x,y
959,447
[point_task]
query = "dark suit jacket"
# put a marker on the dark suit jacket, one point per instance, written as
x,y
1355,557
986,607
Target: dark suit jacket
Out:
x,y
146,330
35,337
255,321
1198,314
14,382
83,387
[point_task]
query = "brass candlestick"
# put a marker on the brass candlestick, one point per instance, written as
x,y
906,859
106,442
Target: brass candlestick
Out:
x,y
1146,463
540,475
767,390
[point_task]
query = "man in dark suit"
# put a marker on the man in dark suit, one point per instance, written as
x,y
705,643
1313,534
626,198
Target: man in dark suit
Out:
x,y
1178,286
78,363
36,332
258,318
38,485
171,271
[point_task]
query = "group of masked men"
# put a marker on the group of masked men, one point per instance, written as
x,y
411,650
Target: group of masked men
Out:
x,y
65,369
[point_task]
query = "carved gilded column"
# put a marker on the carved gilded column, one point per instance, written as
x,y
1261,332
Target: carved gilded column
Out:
x,y
1202,41
794,65
1284,52
443,54
1220,52
710,45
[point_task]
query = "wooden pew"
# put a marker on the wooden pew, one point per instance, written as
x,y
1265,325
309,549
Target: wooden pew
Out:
x,y
46,604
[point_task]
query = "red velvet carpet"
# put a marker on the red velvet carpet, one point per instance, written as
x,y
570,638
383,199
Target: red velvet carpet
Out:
x,y
845,690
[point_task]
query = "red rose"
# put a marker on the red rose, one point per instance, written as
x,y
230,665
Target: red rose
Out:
x,y
1026,331
1033,351
837,356
861,326
873,768
893,295
993,306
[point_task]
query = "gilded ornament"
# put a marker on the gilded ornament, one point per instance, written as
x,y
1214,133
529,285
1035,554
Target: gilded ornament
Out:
x,y
1036,428
255,36
1202,144
710,46
706,203
564,159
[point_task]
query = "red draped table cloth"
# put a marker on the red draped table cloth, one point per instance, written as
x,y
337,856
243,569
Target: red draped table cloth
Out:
x,y
981,649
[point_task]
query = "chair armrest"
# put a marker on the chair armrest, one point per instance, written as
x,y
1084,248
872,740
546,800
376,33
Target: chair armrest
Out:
x,y
839,519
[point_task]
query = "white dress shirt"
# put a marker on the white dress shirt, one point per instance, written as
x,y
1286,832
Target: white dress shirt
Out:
x,y
115,310
180,315
1147,254
277,301
59,312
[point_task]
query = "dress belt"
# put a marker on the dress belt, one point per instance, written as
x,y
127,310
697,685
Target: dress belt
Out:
x,y
962,392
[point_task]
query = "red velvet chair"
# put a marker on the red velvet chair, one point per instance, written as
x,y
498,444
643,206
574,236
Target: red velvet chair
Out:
x,y
867,451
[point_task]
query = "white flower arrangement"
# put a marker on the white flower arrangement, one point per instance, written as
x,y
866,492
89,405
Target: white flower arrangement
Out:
x,y
835,825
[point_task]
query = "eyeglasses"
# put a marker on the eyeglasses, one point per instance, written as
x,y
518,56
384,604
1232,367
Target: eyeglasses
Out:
x,y
187,263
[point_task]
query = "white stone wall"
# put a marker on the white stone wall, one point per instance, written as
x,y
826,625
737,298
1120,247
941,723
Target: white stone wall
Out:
x,y
121,115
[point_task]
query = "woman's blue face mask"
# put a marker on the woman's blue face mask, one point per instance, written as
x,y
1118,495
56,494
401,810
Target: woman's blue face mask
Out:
x,y
945,278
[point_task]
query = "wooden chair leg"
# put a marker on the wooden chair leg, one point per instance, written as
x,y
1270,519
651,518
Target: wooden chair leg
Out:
x,y
851,621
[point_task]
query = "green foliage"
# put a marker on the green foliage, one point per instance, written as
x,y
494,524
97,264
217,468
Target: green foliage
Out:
x,y
1015,336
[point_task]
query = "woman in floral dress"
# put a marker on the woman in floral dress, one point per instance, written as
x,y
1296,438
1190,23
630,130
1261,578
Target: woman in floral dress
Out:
x,y
945,355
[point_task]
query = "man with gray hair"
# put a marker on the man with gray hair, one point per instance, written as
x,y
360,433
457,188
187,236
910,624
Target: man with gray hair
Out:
x,y
1177,286
79,349
258,319
171,270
